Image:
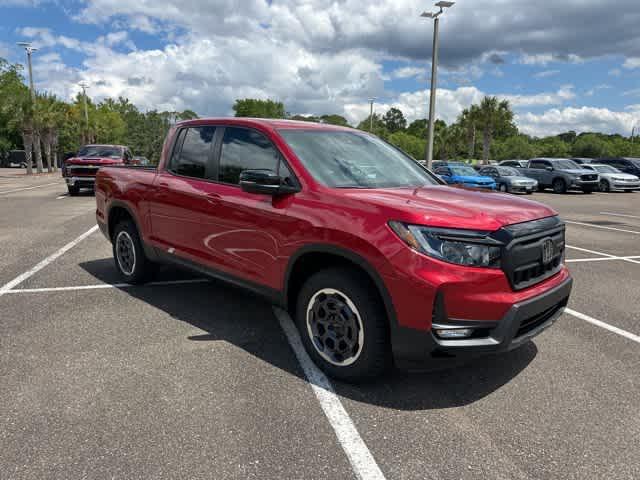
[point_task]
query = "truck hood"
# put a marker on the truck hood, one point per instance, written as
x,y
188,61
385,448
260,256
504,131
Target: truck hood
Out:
x,y
449,207
93,161
579,171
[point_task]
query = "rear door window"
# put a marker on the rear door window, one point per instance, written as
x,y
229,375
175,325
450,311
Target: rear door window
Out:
x,y
194,158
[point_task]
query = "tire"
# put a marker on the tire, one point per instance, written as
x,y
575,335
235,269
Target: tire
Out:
x,y
588,191
362,352
503,188
128,254
73,190
559,186
605,186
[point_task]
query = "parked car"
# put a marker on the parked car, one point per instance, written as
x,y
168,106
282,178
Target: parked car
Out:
x,y
15,159
514,163
561,174
509,179
445,163
142,161
624,164
376,260
465,176
80,171
613,179
582,161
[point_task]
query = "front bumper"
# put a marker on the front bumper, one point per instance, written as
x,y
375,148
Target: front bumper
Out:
x,y
80,181
523,188
523,321
586,184
625,185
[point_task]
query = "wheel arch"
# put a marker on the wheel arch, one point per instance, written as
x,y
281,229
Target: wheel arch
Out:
x,y
119,211
313,258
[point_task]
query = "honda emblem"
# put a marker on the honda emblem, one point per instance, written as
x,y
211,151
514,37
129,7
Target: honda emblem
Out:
x,y
548,251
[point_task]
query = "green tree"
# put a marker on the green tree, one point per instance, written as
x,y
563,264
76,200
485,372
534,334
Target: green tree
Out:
x,y
394,120
492,116
251,107
517,147
418,128
590,146
379,127
552,147
334,120
410,144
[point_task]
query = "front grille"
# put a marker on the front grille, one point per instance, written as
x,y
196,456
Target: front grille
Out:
x,y
522,256
531,323
588,178
82,170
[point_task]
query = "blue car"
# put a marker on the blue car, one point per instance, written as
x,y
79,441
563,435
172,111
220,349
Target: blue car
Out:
x,y
465,176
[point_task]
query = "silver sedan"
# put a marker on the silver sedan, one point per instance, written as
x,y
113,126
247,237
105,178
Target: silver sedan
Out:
x,y
613,179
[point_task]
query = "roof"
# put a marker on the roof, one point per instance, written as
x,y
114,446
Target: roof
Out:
x,y
268,123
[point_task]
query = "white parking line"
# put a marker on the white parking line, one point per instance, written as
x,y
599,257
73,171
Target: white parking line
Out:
x,y
619,215
362,462
600,259
604,325
62,196
586,250
29,188
102,286
602,227
21,278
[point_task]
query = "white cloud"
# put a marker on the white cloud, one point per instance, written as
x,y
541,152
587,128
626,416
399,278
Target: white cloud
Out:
x,y
408,72
565,93
547,73
544,59
631,63
579,119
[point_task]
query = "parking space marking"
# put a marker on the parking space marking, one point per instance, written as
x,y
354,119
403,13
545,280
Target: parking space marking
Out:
x,y
24,276
619,215
62,196
29,188
103,286
602,227
604,325
600,259
361,459
607,255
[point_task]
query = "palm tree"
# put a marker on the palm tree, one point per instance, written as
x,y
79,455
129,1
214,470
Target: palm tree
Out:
x,y
49,113
22,118
449,141
490,116
468,123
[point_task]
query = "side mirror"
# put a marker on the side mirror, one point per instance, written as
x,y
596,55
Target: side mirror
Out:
x,y
266,182
549,169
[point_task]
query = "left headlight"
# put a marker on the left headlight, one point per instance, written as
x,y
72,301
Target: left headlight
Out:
x,y
461,247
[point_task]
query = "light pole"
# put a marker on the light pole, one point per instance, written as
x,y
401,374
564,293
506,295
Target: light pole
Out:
x,y
84,87
29,49
434,75
371,101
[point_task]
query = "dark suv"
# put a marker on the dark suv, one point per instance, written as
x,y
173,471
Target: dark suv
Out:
x,y
624,164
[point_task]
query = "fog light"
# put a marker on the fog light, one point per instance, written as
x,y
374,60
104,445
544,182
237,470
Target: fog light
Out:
x,y
451,333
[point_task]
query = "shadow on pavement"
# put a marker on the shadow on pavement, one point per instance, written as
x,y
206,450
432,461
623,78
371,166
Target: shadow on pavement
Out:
x,y
231,315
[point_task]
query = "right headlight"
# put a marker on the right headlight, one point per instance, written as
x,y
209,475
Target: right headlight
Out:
x,y
461,247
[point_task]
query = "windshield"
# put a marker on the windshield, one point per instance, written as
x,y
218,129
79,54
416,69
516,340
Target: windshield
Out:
x,y
565,165
605,169
508,172
353,160
100,151
635,162
464,171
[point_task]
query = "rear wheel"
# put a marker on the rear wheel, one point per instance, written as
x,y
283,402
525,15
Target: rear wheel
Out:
x,y
559,186
128,254
74,190
503,187
343,324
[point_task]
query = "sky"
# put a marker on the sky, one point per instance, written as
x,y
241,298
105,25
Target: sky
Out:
x,y
563,65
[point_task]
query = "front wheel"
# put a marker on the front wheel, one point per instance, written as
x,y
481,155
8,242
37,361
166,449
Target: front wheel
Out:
x,y
604,186
343,324
74,190
131,262
503,187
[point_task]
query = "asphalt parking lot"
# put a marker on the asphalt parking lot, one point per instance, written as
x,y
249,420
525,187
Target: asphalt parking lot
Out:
x,y
194,379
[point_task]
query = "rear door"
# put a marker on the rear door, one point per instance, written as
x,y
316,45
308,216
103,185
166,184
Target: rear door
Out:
x,y
184,194
538,170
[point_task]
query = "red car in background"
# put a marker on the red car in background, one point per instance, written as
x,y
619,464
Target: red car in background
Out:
x,y
80,171
377,260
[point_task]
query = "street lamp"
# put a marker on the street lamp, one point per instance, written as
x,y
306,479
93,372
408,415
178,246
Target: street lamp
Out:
x,y
371,101
434,73
29,49
84,87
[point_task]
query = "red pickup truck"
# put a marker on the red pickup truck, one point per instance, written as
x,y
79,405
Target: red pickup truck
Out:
x,y
376,259
80,171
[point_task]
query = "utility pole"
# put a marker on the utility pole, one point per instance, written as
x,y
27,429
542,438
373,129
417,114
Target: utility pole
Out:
x,y
434,76
371,101
29,129
84,87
